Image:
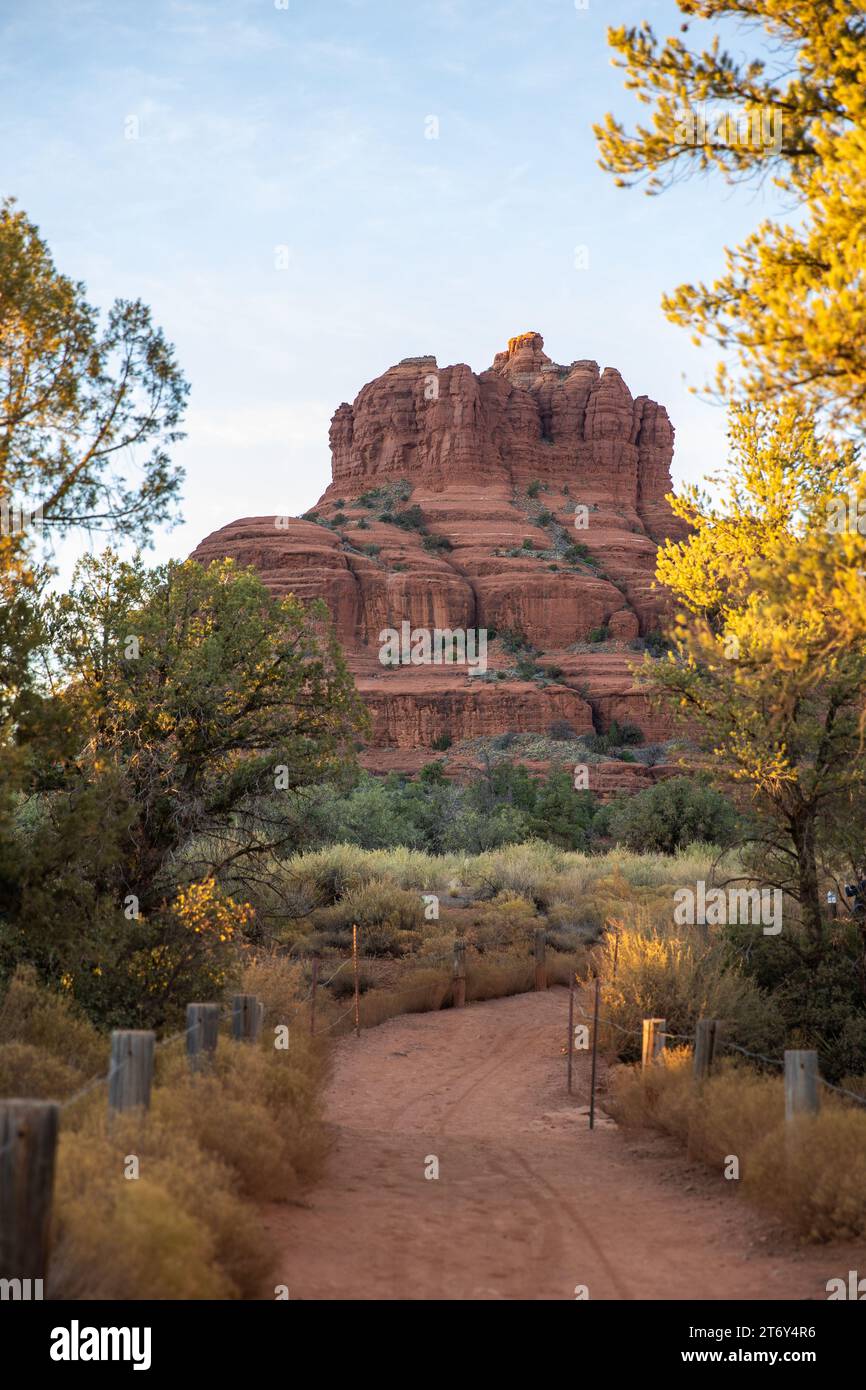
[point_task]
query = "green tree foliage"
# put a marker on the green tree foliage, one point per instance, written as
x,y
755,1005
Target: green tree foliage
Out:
x,y
190,700
88,413
78,397
670,815
502,805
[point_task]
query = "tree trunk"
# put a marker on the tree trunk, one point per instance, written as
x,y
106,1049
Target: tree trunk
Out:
x,y
803,836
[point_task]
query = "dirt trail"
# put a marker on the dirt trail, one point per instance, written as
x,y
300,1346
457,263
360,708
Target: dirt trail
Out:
x,y
528,1203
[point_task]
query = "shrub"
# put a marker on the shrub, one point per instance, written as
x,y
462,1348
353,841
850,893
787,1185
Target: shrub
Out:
x,y
388,917
534,488
430,542
666,973
32,1014
30,1071
561,730
323,876
213,1144
598,634
441,743
821,1194
412,519
544,518
199,951
577,551
811,1175
672,814
527,668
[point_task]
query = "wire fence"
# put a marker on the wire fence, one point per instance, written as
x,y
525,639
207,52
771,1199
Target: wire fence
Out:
x,y
722,1042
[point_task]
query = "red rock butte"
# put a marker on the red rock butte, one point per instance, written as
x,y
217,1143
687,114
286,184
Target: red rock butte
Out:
x,y
527,499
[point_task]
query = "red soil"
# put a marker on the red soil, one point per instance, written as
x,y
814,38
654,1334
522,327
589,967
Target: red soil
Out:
x,y
528,1203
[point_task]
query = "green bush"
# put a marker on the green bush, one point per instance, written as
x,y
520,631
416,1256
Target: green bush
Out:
x,y
412,519
577,551
672,814
388,919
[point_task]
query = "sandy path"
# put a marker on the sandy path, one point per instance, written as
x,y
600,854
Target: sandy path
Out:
x,y
528,1203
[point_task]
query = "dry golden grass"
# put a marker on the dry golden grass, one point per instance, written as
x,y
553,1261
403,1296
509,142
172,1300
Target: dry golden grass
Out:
x,y
31,1014
811,1175
176,1232
663,971
210,1147
814,1178
30,1071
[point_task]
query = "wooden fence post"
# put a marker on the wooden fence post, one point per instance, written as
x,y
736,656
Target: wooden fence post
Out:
x,y
202,1035
357,977
315,986
653,1041
130,1075
801,1083
540,966
246,1018
570,1029
705,1048
458,986
28,1141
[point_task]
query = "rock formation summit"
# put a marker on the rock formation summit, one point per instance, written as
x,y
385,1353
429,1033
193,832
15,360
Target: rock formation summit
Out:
x,y
527,500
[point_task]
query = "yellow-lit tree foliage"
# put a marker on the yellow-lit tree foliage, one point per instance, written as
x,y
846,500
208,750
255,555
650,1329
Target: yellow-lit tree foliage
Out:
x,y
791,302
768,665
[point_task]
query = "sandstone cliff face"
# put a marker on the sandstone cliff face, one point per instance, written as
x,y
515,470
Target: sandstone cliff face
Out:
x,y
529,499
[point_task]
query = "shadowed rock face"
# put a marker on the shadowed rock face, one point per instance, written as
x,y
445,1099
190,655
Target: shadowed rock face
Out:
x,y
485,462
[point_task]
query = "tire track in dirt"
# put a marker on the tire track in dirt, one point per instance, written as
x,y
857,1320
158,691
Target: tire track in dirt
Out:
x,y
528,1203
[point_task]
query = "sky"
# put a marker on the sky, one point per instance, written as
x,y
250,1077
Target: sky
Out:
x,y
306,191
